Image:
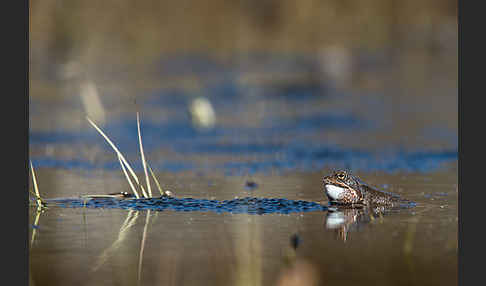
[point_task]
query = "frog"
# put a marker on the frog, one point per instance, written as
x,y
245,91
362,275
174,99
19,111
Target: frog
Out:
x,y
343,188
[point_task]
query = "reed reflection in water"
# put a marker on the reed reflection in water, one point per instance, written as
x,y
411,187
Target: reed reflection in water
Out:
x,y
167,250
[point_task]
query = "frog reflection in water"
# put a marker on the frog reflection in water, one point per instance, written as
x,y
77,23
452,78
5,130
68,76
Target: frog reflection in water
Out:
x,y
342,219
354,203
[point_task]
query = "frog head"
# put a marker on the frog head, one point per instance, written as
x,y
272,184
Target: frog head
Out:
x,y
343,188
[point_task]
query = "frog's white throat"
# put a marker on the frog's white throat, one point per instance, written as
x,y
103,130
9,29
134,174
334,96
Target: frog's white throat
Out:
x,y
335,192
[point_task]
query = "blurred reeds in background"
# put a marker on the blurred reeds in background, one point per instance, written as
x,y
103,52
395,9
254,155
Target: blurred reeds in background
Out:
x,y
120,50
122,37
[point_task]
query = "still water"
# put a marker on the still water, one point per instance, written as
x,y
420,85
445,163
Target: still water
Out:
x,y
416,246
273,132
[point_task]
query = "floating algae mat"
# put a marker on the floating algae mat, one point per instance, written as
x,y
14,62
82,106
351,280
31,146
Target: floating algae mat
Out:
x,y
249,205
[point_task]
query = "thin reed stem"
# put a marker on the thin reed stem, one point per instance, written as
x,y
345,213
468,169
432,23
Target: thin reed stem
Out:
x,y
144,163
155,179
128,178
36,188
120,156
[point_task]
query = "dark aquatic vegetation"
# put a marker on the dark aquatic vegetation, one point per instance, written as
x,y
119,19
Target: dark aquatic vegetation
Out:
x,y
249,205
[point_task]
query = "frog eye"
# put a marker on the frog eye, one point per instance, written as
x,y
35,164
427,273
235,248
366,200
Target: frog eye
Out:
x,y
341,176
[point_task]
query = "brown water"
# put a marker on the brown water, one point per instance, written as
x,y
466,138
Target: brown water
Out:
x,y
283,138
415,246
296,90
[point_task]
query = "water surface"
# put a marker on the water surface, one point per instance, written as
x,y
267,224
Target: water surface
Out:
x,y
279,127
416,246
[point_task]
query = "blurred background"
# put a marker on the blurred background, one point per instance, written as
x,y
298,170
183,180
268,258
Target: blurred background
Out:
x,y
273,77
238,98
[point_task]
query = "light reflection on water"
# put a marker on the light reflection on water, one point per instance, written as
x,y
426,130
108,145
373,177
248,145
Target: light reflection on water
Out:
x,y
414,246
